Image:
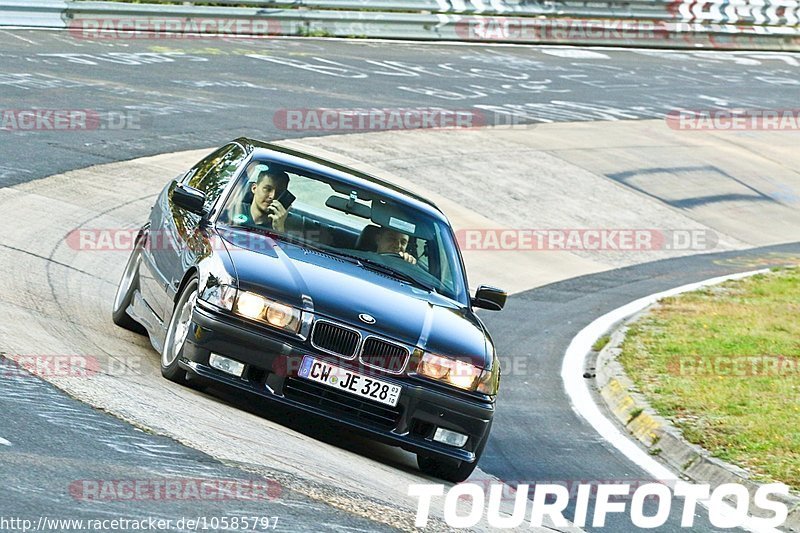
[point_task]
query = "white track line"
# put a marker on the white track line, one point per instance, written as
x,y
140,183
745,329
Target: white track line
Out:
x,y
18,37
582,402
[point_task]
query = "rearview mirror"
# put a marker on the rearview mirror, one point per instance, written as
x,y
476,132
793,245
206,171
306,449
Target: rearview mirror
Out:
x,y
490,298
349,206
189,198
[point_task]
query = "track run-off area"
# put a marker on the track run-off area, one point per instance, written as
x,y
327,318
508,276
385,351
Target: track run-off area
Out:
x,y
566,140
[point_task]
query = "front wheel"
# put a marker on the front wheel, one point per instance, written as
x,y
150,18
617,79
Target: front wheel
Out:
x,y
128,285
448,469
177,331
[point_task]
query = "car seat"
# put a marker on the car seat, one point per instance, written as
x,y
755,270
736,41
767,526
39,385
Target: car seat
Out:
x,y
368,239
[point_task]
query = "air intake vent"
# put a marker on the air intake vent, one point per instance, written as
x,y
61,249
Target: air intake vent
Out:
x,y
378,353
323,254
335,339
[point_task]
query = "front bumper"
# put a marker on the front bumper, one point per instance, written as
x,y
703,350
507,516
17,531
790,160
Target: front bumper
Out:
x,y
272,361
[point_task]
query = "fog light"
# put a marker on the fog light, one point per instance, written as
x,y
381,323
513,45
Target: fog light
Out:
x,y
451,438
229,366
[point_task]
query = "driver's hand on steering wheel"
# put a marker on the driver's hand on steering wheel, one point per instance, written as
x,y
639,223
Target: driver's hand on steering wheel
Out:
x,y
408,257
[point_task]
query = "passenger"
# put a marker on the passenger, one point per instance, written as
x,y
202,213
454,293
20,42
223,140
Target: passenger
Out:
x,y
393,242
263,210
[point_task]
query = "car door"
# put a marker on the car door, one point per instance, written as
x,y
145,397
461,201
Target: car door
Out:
x,y
152,283
178,230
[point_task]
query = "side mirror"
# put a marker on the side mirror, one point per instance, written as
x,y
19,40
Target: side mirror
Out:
x,y
490,298
189,198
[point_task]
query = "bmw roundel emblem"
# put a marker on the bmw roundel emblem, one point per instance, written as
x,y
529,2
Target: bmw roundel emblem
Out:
x,y
367,319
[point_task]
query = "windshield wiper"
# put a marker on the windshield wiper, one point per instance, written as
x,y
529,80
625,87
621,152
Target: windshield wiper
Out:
x,y
281,236
380,267
300,242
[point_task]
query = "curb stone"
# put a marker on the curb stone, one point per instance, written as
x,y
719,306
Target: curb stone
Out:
x,y
662,439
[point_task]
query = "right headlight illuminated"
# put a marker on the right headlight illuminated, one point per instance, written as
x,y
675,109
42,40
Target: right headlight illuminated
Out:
x,y
254,306
459,374
276,314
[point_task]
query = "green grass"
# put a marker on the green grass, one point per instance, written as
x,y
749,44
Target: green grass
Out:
x,y
601,343
680,354
634,414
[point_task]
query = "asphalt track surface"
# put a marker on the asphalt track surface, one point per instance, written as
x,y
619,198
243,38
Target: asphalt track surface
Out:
x,y
67,461
190,94
185,94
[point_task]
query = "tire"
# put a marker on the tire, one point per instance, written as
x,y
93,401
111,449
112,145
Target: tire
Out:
x,y
128,285
177,331
448,469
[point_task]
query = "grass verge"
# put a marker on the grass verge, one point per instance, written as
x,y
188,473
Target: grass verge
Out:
x,y
723,364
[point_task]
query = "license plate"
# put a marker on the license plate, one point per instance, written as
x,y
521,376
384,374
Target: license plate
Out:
x,y
348,381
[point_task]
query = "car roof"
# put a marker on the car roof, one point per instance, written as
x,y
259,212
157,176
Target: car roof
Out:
x,y
319,165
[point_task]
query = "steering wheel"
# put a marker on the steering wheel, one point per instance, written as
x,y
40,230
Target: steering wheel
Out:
x,y
400,256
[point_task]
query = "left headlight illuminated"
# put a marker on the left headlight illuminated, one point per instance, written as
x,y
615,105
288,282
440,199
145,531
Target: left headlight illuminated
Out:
x,y
276,314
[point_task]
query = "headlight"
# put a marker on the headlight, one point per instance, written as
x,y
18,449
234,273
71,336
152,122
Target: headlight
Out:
x,y
489,382
251,305
276,314
281,316
452,371
219,295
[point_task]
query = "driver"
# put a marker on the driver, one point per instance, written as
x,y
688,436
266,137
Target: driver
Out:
x,y
264,211
393,242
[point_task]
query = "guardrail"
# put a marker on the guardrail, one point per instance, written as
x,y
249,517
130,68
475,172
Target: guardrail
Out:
x,y
717,24
33,13
759,12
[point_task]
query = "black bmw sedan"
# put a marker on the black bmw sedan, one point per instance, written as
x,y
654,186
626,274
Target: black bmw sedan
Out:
x,y
324,289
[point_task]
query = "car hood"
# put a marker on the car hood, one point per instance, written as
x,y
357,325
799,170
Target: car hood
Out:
x,y
341,290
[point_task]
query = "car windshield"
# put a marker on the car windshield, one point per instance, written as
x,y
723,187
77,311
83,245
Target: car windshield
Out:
x,y
374,230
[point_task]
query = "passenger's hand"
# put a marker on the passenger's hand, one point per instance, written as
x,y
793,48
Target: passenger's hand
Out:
x,y
277,215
